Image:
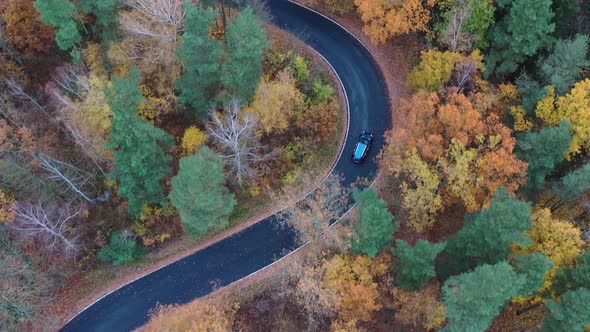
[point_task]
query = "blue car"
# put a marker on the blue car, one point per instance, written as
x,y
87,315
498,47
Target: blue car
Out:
x,y
362,147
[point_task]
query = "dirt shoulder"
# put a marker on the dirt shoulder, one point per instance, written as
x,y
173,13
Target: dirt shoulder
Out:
x,y
96,284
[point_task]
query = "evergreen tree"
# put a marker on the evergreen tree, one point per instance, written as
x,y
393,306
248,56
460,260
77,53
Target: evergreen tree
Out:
x,y
570,278
571,313
571,186
201,57
121,249
106,16
416,265
531,92
543,150
473,299
376,229
524,29
562,68
139,148
199,193
533,268
245,44
487,235
60,14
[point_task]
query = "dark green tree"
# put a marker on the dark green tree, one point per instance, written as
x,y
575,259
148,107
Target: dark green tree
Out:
x,y
416,264
487,234
524,29
245,43
105,12
571,186
531,91
573,277
571,313
562,68
473,299
533,267
61,14
543,150
199,193
376,229
121,249
141,161
201,58
566,17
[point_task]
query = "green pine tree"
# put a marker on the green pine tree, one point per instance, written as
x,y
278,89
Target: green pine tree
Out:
x,y
376,229
571,313
533,267
416,264
574,184
201,56
543,150
141,161
562,68
487,235
473,299
60,14
573,277
245,44
524,29
199,193
119,250
106,16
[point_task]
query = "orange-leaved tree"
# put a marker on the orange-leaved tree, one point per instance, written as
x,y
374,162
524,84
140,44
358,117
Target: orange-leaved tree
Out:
x,y
23,28
384,19
468,150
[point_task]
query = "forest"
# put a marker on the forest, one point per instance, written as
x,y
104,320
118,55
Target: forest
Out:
x,y
133,130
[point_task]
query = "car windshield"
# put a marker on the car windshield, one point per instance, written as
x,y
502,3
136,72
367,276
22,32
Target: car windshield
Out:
x,y
360,148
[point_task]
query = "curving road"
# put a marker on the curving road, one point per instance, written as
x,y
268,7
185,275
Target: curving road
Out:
x,y
261,244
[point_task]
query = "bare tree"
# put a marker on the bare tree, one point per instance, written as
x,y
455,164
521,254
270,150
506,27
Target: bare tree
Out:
x,y
314,214
75,94
51,225
464,73
161,21
234,133
454,35
73,177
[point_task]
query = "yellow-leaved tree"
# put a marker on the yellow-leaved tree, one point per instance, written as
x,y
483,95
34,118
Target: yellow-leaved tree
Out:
x,y
275,103
436,68
574,107
420,191
559,239
193,139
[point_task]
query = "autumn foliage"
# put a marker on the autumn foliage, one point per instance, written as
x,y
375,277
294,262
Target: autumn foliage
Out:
x,y
24,29
384,19
464,154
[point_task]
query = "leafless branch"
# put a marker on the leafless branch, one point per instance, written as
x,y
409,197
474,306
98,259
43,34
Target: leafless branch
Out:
x,y
51,225
234,132
454,35
74,178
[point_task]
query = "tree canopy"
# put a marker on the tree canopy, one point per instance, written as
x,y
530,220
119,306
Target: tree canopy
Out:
x,y
139,147
199,193
376,229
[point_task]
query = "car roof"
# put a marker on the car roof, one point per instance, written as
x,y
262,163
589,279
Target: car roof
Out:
x,y
360,150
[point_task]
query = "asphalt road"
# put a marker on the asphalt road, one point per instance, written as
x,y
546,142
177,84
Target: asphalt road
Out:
x,y
261,244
